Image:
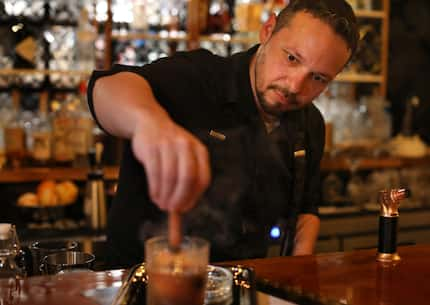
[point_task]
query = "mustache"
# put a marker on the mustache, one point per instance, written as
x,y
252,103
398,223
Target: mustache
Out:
x,y
287,94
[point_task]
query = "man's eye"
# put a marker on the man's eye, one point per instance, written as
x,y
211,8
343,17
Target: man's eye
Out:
x,y
319,78
291,58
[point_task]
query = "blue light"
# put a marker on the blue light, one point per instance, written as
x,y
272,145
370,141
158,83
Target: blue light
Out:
x,y
275,232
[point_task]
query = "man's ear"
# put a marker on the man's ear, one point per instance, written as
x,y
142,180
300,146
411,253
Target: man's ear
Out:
x,y
267,28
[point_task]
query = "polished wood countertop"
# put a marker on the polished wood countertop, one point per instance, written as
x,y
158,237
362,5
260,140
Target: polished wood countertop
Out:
x,y
65,289
353,278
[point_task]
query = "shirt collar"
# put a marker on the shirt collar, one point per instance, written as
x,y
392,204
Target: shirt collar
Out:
x,y
239,90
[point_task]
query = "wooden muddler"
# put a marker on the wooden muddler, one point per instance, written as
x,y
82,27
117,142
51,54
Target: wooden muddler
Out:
x,y
174,231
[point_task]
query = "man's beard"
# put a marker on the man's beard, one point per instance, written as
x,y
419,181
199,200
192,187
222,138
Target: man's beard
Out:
x,y
276,109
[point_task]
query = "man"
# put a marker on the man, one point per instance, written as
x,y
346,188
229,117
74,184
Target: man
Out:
x,y
233,144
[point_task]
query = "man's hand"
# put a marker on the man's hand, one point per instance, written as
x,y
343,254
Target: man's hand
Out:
x,y
176,163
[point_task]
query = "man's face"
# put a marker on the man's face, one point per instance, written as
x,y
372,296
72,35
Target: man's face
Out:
x,y
295,64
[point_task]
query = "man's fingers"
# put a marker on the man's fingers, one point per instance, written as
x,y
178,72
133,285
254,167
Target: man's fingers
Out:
x,y
150,158
169,172
177,168
204,168
202,179
187,177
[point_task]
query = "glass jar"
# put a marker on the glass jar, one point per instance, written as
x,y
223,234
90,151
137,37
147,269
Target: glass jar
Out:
x,y
219,286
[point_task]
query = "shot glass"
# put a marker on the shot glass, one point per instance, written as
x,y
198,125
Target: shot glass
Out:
x,y
176,277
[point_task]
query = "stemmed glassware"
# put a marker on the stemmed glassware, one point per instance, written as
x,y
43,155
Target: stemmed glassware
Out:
x,y
9,252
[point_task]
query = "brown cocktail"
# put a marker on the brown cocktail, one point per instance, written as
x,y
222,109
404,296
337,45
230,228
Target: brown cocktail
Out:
x,y
176,276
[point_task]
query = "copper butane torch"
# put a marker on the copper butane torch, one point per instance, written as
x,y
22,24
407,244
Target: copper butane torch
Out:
x,y
387,244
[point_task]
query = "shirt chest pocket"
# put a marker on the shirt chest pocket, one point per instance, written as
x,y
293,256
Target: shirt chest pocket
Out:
x,y
229,151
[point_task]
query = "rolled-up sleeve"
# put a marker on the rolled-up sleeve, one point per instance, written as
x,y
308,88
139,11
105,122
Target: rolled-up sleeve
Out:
x,y
102,73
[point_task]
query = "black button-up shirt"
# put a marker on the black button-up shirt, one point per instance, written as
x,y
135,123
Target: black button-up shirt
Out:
x,y
252,172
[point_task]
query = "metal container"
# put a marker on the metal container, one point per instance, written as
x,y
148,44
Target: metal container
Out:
x,y
40,249
66,262
95,198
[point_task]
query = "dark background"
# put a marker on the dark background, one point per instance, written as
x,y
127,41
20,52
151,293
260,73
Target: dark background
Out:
x,y
409,62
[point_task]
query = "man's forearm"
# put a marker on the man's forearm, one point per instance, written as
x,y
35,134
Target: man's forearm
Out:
x,y
176,162
122,100
307,230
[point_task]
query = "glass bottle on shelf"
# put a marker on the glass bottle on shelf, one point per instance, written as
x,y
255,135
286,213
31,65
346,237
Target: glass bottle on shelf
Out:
x,y
63,11
6,113
82,137
368,56
248,15
85,38
42,134
219,20
14,135
62,124
139,20
26,121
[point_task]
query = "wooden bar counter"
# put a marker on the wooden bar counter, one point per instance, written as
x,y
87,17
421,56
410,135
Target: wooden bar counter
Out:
x,y
354,278
336,278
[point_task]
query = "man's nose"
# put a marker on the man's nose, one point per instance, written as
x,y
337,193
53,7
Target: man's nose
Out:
x,y
297,81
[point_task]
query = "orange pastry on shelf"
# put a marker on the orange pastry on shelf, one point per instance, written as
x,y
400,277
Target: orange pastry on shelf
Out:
x,y
46,191
67,192
28,200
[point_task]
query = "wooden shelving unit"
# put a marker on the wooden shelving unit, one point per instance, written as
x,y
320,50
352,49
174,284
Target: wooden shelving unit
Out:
x,y
35,174
224,37
43,71
342,163
377,14
193,37
381,15
360,78
165,36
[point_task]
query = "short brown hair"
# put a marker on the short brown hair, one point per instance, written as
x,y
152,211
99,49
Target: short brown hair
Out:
x,y
338,14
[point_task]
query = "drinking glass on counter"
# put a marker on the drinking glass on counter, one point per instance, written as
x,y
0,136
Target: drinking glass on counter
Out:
x,y
9,249
41,249
67,261
176,276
